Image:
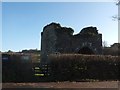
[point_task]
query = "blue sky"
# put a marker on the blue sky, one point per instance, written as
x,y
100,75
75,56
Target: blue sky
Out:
x,y
22,23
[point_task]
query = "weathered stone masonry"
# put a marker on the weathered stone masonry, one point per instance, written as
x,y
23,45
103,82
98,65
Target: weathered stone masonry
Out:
x,y
57,39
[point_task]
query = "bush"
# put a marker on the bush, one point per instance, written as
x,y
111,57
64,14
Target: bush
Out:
x,y
16,70
79,67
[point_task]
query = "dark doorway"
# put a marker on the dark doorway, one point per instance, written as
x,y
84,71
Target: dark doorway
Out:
x,y
85,50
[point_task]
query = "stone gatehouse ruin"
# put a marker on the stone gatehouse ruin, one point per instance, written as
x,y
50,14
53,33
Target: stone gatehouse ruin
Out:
x,y
56,39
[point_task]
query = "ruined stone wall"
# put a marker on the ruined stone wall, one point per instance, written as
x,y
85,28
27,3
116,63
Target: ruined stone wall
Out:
x,y
92,42
48,41
57,39
63,44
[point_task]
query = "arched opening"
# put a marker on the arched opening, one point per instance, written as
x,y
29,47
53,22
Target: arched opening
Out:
x,y
85,50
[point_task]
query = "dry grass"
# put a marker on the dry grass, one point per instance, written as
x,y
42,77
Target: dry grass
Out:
x,y
82,57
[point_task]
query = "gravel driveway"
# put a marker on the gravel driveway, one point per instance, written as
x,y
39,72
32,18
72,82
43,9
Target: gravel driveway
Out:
x,y
107,85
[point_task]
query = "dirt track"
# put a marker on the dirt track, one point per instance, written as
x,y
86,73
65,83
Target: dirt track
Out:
x,y
105,84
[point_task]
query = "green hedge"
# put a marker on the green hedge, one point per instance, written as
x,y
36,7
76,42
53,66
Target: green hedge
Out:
x,y
64,67
16,70
76,67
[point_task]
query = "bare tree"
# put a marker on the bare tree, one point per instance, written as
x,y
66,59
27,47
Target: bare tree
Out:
x,y
117,2
104,44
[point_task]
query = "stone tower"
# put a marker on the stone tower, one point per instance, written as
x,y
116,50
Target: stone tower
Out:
x,y
58,40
